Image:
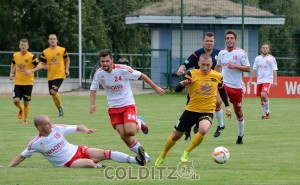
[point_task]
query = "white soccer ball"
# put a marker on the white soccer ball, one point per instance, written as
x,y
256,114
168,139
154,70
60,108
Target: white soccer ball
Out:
x,y
220,155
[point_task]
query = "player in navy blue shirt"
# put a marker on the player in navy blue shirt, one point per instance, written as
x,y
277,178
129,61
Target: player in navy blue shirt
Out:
x,y
192,62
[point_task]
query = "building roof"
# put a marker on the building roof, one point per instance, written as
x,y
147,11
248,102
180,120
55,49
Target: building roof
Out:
x,y
202,12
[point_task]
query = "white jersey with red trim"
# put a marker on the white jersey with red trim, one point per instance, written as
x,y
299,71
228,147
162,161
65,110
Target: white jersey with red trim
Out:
x,y
54,147
232,77
265,65
116,84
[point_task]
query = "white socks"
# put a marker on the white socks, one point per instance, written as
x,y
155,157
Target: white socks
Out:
x,y
135,149
240,127
219,116
122,157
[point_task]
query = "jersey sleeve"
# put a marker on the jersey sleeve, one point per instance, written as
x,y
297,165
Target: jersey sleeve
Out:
x,y
244,59
255,63
191,61
130,73
274,64
95,83
66,129
43,58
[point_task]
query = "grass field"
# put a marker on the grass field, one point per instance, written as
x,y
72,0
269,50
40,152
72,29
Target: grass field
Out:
x,y
269,155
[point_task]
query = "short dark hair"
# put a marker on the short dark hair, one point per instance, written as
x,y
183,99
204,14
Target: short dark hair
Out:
x,y
208,34
231,32
105,52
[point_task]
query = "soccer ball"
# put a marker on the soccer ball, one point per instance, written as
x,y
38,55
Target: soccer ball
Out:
x,y
220,155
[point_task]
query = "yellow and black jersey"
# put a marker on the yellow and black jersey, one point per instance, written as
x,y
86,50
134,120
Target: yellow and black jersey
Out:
x,y
55,60
202,91
22,63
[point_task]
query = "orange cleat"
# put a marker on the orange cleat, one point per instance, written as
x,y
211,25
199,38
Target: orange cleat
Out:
x,y
267,116
25,122
20,114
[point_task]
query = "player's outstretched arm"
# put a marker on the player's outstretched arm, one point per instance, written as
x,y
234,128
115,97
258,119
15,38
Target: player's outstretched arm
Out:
x,y
157,89
17,160
82,128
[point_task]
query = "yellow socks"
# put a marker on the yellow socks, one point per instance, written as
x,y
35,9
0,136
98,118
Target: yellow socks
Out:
x,y
26,110
196,140
57,99
168,145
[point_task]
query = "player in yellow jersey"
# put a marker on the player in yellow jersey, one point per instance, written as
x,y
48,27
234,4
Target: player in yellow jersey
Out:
x,y
203,83
57,62
23,66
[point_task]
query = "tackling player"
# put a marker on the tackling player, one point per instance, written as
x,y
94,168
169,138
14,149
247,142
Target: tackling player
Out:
x,y
52,144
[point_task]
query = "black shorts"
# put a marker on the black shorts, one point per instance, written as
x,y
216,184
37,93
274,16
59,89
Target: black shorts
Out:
x,y
188,119
23,91
55,84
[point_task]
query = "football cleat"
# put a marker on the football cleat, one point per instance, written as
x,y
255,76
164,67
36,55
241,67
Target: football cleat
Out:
x,y
185,156
25,122
218,131
159,161
100,165
20,114
267,116
140,158
61,112
144,127
239,140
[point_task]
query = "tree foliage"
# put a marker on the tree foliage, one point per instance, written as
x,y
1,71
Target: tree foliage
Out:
x,y
103,24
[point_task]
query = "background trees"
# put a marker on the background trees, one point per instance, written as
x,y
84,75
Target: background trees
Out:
x,y
103,26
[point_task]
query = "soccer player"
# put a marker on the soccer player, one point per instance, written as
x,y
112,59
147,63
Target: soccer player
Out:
x,y
23,66
233,61
52,144
192,62
265,66
57,62
139,119
203,85
114,78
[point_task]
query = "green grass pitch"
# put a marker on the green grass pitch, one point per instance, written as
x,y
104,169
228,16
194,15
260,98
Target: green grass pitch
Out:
x,y
269,155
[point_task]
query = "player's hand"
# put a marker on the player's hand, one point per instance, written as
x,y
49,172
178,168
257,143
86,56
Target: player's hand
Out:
x,y
250,83
46,67
27,72
231,65
11,76
185,82
92,109
90,130
228,112
67,72
159,90
275,84
180,72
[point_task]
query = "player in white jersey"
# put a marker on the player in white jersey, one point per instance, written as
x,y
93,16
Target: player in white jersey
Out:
x,y
52,144
233,61
114,78
265,66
